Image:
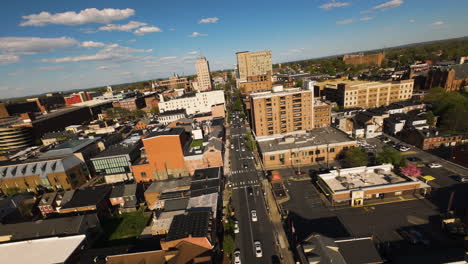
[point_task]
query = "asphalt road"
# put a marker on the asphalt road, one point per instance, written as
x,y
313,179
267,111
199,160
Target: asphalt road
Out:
x,y
247,195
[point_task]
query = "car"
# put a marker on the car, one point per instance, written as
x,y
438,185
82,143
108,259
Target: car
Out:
x,y
237,259
232,146
385,139
254,215
243,149
460,178
413,159
403,148
258,249
245,165
250,190
236,227
434,165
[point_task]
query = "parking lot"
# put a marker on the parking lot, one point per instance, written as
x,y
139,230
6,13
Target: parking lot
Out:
x,y
384,222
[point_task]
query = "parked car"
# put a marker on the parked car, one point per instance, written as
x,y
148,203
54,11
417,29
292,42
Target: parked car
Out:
x,y
245,165
413,159
254,215
258,249
434,165
236,227
237,259
460,178
403,148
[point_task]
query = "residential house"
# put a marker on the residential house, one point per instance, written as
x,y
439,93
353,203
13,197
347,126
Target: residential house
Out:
x,y
90,199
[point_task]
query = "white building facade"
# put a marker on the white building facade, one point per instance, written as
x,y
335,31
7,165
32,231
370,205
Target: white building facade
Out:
x,y
200,102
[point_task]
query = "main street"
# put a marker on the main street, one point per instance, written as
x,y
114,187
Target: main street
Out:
x,y
247,195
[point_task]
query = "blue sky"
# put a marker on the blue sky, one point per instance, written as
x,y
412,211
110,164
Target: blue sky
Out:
x,y
61,45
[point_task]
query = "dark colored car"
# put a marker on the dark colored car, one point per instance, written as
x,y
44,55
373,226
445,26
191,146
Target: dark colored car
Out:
x,y
413,159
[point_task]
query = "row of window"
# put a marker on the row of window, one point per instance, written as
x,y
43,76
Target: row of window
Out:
x,y
304,153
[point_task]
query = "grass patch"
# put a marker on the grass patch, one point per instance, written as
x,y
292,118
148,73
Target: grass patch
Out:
x,y
123,229
196,143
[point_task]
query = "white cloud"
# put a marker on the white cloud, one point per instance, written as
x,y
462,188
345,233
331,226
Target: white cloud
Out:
x,y
367,18
438,23
299,50
110,52
92,44
385,6
344,22
8,59
145,30
31,45
412,20
86,16
108,67
167,58
192,52
334,4
208,20
196,34
126,27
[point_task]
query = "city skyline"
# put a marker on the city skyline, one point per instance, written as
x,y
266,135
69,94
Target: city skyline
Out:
x,y
49,47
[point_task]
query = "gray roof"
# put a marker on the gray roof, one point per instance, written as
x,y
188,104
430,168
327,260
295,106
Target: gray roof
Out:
x,y
213,142
69,147
64,226
39,167
169,131
357,251
166,185
123,190
176,204
461,71
316,137
321,249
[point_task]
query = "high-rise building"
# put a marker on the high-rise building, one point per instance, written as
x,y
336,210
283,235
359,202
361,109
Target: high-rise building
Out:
x,y
253,63
203,74
282,111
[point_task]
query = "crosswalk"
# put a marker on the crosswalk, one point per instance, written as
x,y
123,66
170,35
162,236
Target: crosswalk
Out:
x,y
242,184
243,171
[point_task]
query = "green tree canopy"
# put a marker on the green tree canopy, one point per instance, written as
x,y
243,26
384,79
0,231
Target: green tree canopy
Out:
x,y
154,110
390,155
355,157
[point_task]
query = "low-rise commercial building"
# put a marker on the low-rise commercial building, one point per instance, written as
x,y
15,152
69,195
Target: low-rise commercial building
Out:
x,y
451,78
361,59
161,190
355,186
172,115
426,139
175,82
354,94
318,146
62,173
193,103
90,200
115,163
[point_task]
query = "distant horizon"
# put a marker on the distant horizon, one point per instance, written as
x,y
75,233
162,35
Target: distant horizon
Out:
x,y
53,46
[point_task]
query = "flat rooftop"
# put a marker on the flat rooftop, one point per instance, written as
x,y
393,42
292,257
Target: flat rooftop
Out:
x,y
40,251
168,131
315,137
361,177
285,91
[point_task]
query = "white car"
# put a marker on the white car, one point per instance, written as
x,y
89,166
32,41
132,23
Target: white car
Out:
x,y
258,249
403,148
254,215
236,227
237,257
434,165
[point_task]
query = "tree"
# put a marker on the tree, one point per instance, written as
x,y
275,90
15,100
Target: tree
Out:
x,y
411,171
250,142
390,155
355,157
430,118
154,110
299,83
137,113
228,244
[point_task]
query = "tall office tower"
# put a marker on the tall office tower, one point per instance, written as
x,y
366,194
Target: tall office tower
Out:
x,y
282,111
203,74
253,63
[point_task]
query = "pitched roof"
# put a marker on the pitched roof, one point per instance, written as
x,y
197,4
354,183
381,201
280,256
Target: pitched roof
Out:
x,y
357,251
194,224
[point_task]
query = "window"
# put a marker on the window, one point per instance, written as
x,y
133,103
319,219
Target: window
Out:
x,y
317,152
295,154
398,193
311,153
332,150
272,157
143,174
281,156
304,153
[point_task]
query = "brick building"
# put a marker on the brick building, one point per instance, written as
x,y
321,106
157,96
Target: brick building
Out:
x,y
361,59
319,146
451,78
322,114
63,173
164,155
429,138
282,111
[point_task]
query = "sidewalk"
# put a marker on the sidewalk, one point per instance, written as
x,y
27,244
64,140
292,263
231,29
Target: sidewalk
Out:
x,y
282,244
